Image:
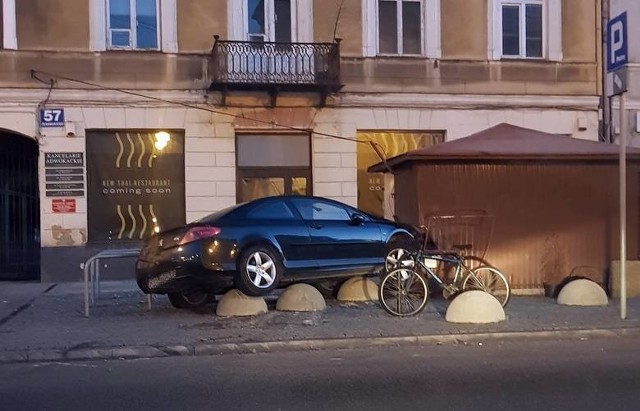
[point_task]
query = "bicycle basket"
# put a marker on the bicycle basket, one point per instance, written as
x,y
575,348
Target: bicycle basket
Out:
x,y
466,232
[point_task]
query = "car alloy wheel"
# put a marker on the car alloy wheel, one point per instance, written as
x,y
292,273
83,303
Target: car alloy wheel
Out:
x,y
399,253
259,271
399,258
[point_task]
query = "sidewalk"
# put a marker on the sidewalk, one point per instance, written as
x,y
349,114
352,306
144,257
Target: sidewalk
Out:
x,y
46,322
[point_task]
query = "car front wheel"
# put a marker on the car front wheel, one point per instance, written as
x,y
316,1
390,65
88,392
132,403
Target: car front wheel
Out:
x,y
259,271
399,254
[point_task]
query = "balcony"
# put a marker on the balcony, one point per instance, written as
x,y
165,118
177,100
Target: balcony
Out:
x,y
275,67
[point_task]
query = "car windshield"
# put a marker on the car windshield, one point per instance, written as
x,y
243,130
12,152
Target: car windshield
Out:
x,y
215,216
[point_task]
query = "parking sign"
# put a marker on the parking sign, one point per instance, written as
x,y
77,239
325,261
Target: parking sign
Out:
x,y
617,55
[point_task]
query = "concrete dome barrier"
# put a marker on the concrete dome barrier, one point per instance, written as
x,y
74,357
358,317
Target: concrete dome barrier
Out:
x,y
301,297
475,307
358,289
582,292
235,304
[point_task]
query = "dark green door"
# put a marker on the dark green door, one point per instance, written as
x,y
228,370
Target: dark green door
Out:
x,y
19,208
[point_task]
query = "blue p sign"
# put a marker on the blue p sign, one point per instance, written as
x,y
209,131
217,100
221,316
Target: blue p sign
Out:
x,y
617,42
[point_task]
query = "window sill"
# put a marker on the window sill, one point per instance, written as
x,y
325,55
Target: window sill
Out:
x,y
132,49
520,58
404,56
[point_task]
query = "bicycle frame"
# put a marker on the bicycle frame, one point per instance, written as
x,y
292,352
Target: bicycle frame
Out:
x,y
444,257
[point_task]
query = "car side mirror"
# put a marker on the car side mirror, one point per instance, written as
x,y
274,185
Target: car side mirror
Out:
x,y
357,218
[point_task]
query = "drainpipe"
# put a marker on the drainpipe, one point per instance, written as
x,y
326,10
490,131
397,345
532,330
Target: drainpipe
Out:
x,y
605,101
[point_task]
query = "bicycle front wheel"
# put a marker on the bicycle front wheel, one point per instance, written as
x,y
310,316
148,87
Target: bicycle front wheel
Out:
x,y
403,292
489,280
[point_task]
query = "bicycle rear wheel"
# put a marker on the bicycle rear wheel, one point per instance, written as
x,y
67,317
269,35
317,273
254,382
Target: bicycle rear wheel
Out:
x,y
472,262
489,280
403,292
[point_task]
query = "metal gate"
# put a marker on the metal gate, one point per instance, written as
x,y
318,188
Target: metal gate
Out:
x,y
19,208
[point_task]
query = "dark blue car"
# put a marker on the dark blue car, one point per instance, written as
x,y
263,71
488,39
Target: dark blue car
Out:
x,y
259,245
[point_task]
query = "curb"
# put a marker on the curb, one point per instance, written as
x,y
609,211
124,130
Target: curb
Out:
x,y
148,351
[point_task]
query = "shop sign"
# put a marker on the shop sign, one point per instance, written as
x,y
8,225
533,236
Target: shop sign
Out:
x,y
63,205
64,174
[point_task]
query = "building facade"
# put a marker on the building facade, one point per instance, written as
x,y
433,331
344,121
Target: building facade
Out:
x,y
119,118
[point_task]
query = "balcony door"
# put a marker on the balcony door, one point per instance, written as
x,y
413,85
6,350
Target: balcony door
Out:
x,y
278,24
288,21
269,20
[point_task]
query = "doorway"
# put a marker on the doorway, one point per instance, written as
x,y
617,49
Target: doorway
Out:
x,y
19,208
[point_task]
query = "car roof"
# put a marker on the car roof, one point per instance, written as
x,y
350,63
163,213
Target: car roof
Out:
x,y
239,210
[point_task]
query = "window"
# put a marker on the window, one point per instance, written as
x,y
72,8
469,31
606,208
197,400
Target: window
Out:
x,y
272,164
1,25
400,31
401,27
133,25
8,39
522,29
526,29
271,20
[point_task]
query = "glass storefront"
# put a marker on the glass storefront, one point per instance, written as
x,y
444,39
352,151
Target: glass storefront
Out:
x,y
273,164
371,195
135,183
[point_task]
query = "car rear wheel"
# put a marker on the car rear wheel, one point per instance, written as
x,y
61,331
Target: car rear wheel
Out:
x,y
189,298
329,288
259,271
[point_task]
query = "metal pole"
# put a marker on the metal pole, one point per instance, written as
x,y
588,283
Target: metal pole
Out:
x,y
606,99
623,207
86,288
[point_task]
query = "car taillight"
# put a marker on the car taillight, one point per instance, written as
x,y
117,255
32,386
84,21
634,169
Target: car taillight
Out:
x,y
197,233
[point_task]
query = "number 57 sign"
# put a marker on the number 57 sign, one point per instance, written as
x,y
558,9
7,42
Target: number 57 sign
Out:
x,y
51,117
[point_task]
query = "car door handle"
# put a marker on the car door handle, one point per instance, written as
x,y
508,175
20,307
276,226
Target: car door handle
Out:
x,y
317,226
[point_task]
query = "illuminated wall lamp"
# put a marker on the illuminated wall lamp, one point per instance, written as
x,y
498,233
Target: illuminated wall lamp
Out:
x,y
162,139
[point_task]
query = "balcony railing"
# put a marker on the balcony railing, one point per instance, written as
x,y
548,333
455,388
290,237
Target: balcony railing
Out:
x,y
273,66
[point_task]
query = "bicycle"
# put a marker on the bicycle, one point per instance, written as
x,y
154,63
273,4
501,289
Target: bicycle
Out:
x,y
404,290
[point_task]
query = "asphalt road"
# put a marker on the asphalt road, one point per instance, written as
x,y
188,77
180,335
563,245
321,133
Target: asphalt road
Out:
x,y
602,374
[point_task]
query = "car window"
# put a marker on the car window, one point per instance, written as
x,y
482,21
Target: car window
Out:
x,y
211,218
312,209
271,211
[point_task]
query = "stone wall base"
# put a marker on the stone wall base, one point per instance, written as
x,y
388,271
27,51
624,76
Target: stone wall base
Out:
x,y
632,276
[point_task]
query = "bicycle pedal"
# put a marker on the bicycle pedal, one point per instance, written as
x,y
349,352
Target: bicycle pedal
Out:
x,y
448,291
